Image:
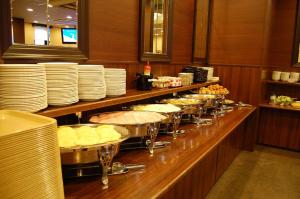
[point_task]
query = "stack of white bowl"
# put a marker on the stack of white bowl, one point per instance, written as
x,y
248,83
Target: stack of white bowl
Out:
x,y
91,82
62,83
115,80
29,156
23,87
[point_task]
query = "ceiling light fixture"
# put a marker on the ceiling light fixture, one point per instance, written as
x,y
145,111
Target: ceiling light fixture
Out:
x,y
50,5
69,17
35,21
29,9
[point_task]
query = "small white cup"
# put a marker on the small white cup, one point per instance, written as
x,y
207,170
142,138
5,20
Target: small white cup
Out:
x,y
276,75
294,76
285,76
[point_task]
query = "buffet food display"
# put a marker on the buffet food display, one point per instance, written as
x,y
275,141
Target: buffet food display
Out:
x,y
190,107
160,108
171,111
86,135
90,142
127,118
214,89
100,141
139,123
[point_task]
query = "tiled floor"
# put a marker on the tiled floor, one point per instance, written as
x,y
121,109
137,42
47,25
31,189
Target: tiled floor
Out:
x,y
265,173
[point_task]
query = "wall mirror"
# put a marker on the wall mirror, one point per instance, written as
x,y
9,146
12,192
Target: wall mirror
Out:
x,y
201,30
296,51
155,30
44,29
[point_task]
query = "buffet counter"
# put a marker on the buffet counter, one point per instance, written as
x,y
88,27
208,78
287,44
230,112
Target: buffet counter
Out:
x,y
187,168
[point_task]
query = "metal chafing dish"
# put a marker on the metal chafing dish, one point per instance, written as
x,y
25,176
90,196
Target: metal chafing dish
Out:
x,y
190,107
145,129
208,100
173,116
102,152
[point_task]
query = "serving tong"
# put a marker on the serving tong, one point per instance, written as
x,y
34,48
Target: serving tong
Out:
x,y
120,168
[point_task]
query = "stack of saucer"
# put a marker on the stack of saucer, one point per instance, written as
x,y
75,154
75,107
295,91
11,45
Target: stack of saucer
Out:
x,y
23,87
91,83
29,156
62,83
115,80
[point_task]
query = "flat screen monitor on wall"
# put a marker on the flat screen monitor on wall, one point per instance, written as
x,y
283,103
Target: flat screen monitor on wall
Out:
x,y
69,35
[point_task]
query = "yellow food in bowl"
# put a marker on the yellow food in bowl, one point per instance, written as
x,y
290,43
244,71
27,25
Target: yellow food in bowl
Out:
x,y
107,133
183,101
66,136
86,135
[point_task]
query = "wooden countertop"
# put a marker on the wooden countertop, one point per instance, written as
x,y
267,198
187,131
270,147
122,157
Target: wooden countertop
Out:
x,y
281,83
131,95
165,167
273,106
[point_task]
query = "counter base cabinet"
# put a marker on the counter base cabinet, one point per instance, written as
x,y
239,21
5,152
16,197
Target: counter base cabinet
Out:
x,y
280,128
229,149
197,182
202,177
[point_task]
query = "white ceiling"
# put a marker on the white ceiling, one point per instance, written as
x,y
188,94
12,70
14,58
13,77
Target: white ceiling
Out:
x,y
57,14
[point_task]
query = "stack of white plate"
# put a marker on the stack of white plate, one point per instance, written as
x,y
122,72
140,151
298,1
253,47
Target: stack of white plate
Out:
x,y
23,87
62,83
29,156
91,83
115,80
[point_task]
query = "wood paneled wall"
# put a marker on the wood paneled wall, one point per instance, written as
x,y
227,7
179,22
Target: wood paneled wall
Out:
x,y
114,37
183,31
113,31
248,37
243,82
256,33
237,32
237,46
279,40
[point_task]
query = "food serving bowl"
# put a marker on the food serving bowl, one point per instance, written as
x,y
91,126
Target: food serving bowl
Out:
x,y
190,107
143,129
173,116
102,152
208,100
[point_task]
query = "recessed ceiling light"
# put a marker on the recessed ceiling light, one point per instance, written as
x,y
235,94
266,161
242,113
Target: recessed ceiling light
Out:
x,y
29,9
69,17
50,6
35,21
